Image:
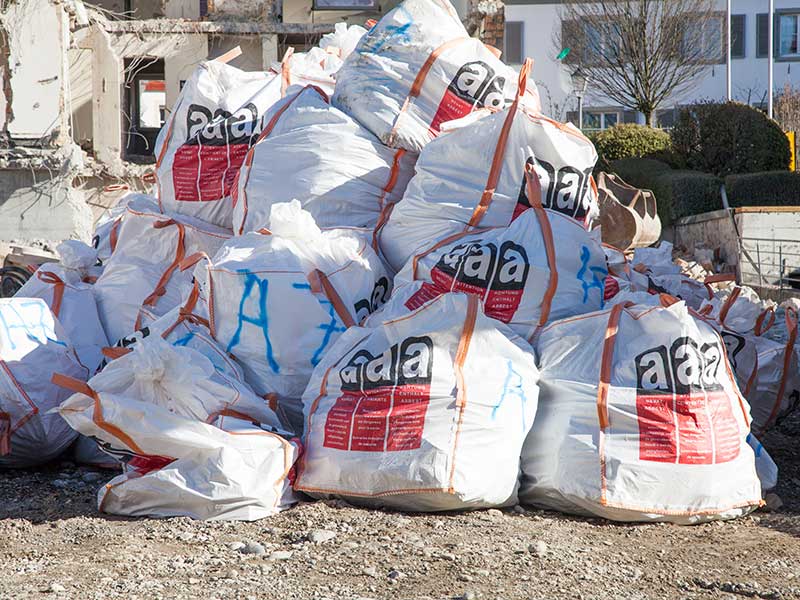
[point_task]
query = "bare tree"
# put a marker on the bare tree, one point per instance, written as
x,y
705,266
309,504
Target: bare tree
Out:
x,y
639,53
787,108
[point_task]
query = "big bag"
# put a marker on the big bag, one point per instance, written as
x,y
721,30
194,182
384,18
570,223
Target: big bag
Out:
x,y
476,175
218,116
640,419
315,153
424,413
543,266
72,302
278,302
416,69
33,345
143,275
740,309
191,443
776,393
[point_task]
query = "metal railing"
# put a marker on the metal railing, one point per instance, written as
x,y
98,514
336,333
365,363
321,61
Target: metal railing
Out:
x,y
772,264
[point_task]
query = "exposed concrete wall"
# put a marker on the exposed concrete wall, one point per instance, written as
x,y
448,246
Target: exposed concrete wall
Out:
x,y
148,9
182,9
80,94
33,207
269,50
37,33
252,57
709,230
106,93
238,9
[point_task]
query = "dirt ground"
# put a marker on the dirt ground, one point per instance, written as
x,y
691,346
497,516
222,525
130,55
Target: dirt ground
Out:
x,y
54,544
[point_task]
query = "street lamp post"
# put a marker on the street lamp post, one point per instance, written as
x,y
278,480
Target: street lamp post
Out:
x,y
728,78
771,56
580,81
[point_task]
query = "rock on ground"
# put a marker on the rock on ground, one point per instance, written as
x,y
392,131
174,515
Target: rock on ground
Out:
x,y
54,544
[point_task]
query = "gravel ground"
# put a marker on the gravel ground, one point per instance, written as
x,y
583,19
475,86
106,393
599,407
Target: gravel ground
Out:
x,y
54,544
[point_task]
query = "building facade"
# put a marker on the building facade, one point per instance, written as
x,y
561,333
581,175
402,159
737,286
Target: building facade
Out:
x,y
532,28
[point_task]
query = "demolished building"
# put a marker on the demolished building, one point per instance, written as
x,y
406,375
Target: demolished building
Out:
x,y
86,89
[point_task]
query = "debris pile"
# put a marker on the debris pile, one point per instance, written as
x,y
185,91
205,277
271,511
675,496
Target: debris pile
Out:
x,y
372,273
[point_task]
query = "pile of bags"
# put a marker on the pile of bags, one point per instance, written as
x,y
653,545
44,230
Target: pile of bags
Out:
x,y
371,273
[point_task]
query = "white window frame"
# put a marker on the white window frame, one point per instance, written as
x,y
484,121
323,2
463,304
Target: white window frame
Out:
x,y
796,17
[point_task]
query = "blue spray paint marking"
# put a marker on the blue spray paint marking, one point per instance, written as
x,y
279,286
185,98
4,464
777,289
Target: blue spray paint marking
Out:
x,y
333,326
391,33
262,320
758,448
512,389
184,340
586,284
36,329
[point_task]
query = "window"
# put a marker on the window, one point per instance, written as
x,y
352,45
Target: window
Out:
x,y
738,29
703,39
788,27
595,119
144,106
514,43
762,35
665,118
588,42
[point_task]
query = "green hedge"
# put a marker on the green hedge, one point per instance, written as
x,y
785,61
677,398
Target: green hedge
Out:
x,y
678,193
771,188
688,193
630,140
729,138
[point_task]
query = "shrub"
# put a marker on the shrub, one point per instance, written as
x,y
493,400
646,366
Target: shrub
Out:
x,y
678,193
687,193
669,157
773,188
640,172
729,138
630,140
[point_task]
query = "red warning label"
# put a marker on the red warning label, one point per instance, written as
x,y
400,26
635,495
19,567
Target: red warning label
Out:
x,y
206,173
684,415
384,400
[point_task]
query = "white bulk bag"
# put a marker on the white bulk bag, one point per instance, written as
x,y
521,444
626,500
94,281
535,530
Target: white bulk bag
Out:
x,y
423,413
315,153
765,467
149,409
476,175
342,40
417,69
79,260
143,271
106,232
72,302
741,310
202,145
219,114
742,351
640,419
691,291
278,302
656,261
776,393
33,345
542,266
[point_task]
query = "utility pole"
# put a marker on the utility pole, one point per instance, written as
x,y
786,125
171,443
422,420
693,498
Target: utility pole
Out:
x,y
771,42
729,93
